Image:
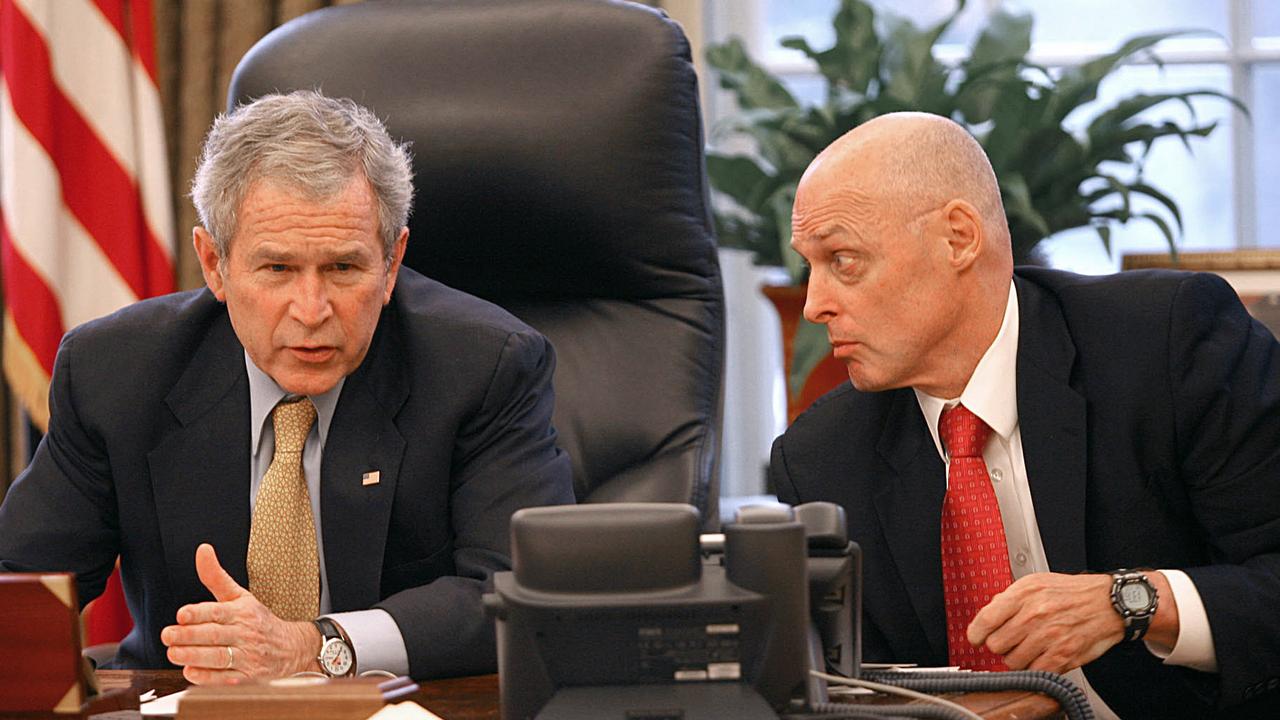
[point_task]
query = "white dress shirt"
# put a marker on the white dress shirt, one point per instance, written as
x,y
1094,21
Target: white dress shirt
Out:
x,y
376,640
991,394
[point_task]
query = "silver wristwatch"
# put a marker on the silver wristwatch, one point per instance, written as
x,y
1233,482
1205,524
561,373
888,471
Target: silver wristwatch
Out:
x,y
1134,598
336,658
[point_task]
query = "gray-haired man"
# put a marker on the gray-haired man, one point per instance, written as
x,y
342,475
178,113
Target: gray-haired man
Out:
x,y
320,433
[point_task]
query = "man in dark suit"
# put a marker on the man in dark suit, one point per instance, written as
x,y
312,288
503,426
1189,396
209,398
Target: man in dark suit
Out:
x,y
319,434
1011,440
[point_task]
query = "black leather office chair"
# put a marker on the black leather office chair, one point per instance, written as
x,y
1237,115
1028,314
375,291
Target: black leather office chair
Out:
x,y
559,170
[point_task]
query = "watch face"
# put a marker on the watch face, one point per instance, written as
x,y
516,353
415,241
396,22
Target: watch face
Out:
x,y
1135,596
335,657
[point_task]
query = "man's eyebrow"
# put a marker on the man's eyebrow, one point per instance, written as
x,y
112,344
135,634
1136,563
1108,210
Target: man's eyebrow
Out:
x,y
829,231
271,252
819,236
352,255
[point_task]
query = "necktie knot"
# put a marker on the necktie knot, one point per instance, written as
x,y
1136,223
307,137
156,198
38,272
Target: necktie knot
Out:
x,y
292,421
962,432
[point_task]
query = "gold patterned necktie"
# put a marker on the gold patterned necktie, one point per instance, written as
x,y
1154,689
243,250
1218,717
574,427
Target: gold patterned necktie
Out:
x,y
283,564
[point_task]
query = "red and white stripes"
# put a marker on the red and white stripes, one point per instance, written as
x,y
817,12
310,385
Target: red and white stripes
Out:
x,y
85,219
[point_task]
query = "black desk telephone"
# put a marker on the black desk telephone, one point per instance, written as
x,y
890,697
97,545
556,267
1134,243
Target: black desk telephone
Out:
x,y
624,611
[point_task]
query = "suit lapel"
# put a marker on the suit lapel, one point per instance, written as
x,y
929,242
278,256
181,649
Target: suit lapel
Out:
x,y
200,472
363,438
909,506
1053,420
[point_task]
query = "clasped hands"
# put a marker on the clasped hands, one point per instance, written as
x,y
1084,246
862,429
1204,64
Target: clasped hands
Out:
x,y
235,637
1057,622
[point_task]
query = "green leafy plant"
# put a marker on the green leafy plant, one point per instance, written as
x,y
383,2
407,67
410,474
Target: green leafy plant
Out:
x,y
1051,178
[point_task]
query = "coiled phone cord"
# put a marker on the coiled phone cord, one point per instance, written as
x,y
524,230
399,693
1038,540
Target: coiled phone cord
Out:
x,y
1069,696
1071,699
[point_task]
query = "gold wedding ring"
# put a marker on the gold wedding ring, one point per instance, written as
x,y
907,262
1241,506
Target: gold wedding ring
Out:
x,y
231,657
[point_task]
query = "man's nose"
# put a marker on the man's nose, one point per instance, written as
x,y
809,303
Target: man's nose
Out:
x,y
311,305
819,303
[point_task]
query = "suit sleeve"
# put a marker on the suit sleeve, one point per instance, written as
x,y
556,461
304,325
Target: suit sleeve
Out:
x,y
59,515
505,458
1225,375
779,477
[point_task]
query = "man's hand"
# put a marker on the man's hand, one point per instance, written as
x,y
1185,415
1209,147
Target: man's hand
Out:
x,y
235,637
1056,622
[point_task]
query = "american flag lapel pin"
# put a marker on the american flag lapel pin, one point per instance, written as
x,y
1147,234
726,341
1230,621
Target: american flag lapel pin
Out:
x,y
371,478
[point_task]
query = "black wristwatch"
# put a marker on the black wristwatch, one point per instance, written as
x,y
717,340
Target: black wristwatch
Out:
x,y
336,658
1134,598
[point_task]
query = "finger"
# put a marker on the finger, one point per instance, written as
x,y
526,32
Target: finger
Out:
x,y
201,634
1002,608
206,612
1021,655
1014,629
1009,636
205,676
209,657
166,635
222,585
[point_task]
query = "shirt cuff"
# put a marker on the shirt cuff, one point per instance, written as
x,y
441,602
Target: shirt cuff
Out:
x,y
375,639
1194,648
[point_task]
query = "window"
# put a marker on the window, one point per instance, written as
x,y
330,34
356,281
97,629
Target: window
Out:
x,y
1224,188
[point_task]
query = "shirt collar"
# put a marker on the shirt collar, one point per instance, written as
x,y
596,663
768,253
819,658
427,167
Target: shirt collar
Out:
x,y
992,390
265,394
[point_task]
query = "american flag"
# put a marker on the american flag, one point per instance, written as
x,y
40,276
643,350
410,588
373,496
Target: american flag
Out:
x,y
85,216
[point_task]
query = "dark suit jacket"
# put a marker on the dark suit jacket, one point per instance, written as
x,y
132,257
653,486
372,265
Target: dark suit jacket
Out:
x,y
1149,406
148,455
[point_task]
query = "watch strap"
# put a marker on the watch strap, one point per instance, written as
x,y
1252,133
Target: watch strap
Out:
x,y
1136,627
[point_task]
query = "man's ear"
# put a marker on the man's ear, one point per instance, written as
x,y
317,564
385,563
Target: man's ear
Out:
x,y
207,254
393,268
964,231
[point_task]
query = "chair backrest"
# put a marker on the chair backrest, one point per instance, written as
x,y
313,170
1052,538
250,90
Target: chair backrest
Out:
x,y
559,173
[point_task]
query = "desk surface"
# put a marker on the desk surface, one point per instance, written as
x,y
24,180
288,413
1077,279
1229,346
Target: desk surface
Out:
x,y
476,698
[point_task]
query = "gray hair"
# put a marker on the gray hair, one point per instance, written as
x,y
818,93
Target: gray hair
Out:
x,y
305,141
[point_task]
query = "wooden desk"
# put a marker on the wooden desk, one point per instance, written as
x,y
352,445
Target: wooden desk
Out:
x,y
476,698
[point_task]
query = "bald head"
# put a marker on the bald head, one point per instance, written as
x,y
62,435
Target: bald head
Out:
x,y
901,223
909,163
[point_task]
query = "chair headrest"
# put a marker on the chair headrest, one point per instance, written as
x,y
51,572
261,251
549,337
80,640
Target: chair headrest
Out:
x,y
557,143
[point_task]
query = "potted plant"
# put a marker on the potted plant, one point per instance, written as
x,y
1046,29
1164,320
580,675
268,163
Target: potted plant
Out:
x,y
1051,178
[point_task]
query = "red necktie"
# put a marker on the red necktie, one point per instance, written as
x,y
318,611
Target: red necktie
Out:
x,y
975,556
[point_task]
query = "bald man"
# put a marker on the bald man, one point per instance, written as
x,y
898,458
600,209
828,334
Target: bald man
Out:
x,y
1012,440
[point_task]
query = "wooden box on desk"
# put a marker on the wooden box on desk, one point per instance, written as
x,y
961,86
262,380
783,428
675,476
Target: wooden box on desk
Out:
x,y
296,698
44,673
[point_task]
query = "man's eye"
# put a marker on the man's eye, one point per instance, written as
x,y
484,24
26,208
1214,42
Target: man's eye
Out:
x,y
343,267
277,267
843,263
